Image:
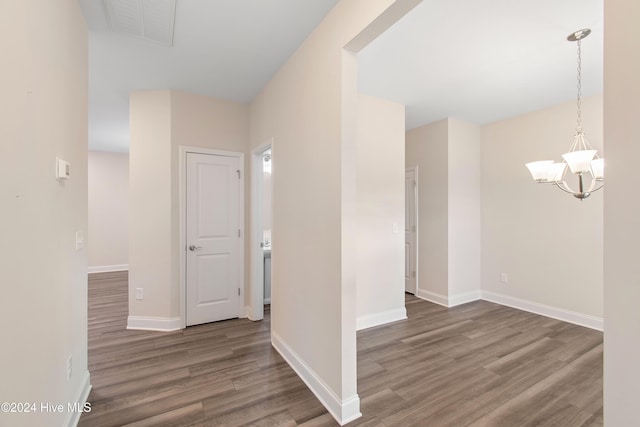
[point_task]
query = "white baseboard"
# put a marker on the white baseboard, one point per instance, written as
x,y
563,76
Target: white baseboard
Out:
x,y
81,397
580,319
108,268
464,298
377,319
248,312
344,411
451,301
161,324
432,297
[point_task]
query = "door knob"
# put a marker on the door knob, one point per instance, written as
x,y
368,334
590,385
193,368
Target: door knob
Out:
x,y
194,248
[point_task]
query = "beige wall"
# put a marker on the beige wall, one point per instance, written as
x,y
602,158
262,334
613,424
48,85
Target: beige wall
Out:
x,y
464,227
427,148
447,154
161,122
380,212
309,109
44,279
549,243
621,226
108,234
150,223
205,122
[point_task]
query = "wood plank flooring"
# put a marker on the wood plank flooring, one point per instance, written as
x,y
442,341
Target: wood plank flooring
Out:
x,y
479,364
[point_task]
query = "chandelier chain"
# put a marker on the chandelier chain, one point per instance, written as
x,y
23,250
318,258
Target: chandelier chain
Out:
x,y
579,87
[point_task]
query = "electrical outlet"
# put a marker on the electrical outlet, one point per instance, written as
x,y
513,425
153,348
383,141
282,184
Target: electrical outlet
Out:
x,y
139,294
504,277
69,368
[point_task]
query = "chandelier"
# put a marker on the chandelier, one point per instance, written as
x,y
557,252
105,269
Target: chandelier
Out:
x,y
582,159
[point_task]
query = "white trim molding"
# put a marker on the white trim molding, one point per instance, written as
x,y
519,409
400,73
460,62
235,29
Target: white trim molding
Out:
x,y
432,297
73,417
256,237
580,319
446,301
108,268
162,324
459,299
248,313
576,318
381,318
344,411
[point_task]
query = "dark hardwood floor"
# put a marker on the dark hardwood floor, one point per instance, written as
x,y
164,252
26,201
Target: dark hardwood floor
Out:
x,y
479,364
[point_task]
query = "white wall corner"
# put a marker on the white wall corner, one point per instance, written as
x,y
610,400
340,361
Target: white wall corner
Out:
x,y
108,268
82,395
344,411
350,410
463,298
580,319
432,297
381,318
162,324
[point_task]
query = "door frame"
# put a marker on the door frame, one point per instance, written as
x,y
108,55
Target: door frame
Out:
x,y
182,195
416,212
257,260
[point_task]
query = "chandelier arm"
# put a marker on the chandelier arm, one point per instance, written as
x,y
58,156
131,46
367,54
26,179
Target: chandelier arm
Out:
x,y
576,142
597,188
595,182
564,187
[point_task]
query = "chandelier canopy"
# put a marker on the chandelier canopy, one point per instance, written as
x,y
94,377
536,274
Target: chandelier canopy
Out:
x,y
582,159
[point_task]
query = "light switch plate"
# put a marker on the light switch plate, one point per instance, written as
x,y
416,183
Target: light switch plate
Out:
x,y
79,240
63,170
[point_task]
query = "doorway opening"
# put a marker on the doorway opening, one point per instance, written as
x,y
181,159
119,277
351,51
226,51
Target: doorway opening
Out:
x,y
262,224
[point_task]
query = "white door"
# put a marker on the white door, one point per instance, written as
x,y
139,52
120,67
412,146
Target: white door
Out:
x,y
213,238
410,231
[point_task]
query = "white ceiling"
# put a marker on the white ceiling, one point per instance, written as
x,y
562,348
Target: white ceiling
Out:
x,y
223,48
484,60
476,60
